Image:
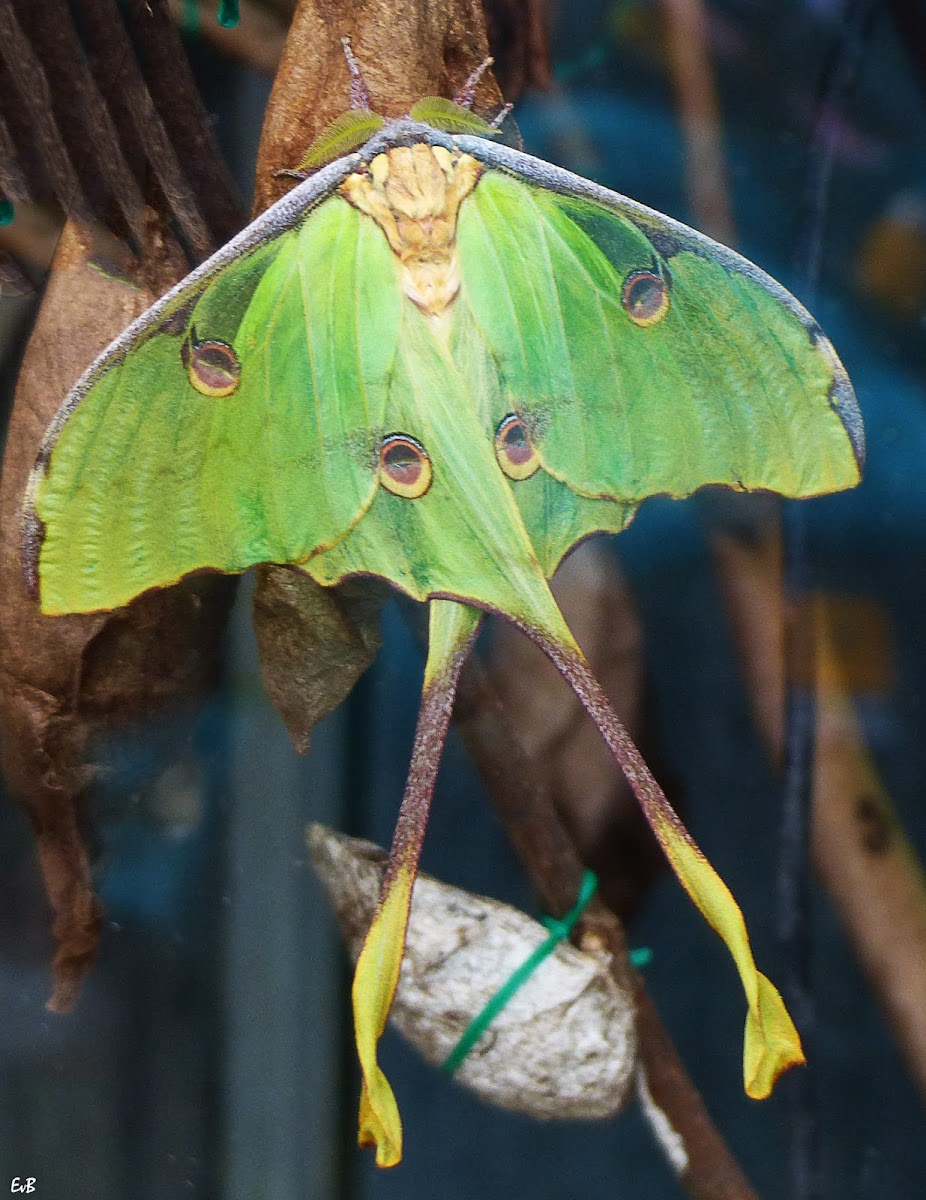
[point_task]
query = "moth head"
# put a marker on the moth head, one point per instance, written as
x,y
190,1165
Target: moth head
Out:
x,y
354,129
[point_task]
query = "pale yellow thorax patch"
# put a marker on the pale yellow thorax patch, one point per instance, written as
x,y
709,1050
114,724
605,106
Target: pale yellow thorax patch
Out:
x,y
414,194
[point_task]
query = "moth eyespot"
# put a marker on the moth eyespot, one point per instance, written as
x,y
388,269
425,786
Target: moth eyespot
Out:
x,y
645,298
212,368
516,455
404,466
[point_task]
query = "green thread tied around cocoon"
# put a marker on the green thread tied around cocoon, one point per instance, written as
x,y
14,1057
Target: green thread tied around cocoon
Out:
x,y
559,931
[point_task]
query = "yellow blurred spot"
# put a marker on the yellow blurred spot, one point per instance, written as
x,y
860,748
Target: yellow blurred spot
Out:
x,y
891,267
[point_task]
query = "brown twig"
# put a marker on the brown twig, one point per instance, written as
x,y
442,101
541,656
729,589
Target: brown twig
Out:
x,y
591,794
408,49
13,279
81,122
705,171
517,31
25,161
63,679
750,576
548,853
12,179
868,866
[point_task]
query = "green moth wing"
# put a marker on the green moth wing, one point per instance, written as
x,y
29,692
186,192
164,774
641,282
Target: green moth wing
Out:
x,y
237,427
642,357
617,352
468,534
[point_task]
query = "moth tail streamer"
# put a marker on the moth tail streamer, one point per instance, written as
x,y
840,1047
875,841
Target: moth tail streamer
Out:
x,y
452,629
771,1042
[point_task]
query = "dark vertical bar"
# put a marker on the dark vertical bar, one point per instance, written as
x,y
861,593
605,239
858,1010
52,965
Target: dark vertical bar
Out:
x,y
794,893
283,1010
794,915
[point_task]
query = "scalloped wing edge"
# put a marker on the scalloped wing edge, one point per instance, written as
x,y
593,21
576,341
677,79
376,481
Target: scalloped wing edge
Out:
x,y
286,214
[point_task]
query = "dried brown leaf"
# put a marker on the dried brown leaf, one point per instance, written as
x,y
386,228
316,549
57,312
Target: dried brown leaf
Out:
x,y
64,678
314,643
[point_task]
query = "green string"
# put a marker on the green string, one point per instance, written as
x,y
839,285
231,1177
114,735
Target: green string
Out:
x,y
228,16
7,212
559,931
190,24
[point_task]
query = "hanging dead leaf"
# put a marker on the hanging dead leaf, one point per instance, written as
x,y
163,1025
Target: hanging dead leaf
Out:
x,y
314,643
64,678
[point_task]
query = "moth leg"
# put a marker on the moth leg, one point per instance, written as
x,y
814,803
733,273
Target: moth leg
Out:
x,y
496,122
359,92
467,94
